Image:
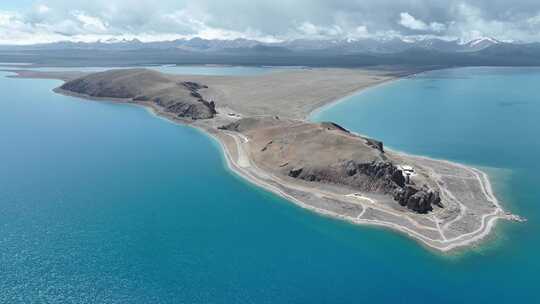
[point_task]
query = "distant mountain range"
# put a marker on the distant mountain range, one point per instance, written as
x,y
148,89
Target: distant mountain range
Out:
x,y
362,52
376,46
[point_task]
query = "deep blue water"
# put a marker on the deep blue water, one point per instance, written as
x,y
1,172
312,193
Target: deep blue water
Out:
x,y
104,203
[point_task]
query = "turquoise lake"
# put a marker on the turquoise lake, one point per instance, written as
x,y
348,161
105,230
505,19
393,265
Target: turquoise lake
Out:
x,y
104,203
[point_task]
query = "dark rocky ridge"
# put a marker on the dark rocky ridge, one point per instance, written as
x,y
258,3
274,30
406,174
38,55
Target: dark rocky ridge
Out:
x,y
376,177
181,98
420,200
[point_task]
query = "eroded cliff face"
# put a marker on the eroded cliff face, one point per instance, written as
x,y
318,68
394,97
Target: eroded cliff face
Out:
x,y
375,177
193,106
329,154
420,199
184,99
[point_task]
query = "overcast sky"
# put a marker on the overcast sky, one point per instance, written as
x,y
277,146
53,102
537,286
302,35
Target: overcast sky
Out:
x,y
30,21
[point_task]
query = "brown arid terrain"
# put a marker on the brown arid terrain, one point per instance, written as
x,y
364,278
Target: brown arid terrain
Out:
x,y
261,124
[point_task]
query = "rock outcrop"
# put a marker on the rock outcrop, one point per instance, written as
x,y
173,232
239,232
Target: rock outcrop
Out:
x,y
375,144
420,200
377,177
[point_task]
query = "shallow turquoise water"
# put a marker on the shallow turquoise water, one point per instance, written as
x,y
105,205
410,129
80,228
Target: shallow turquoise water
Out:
x,y
485,117
104,203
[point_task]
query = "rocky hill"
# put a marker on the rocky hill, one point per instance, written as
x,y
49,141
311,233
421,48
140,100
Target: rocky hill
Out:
x,y
326,153
182,98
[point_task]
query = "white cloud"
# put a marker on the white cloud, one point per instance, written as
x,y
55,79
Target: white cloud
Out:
x,y
408,21
412,23
15,30
308,30
90,23
471,23
534,21
270,20
437,27
316,31
196,24
360,32
43,9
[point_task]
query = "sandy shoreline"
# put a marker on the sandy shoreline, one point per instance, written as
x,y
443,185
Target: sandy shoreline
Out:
x,y
238,161
329,105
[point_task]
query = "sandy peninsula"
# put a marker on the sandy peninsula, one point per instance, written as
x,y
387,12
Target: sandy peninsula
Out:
x,y
261,123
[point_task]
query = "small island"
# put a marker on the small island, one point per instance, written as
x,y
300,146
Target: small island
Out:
x,y
261,123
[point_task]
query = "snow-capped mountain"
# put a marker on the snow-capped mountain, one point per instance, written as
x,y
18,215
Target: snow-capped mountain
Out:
x,y
348,46
360,52
334,46
480,44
